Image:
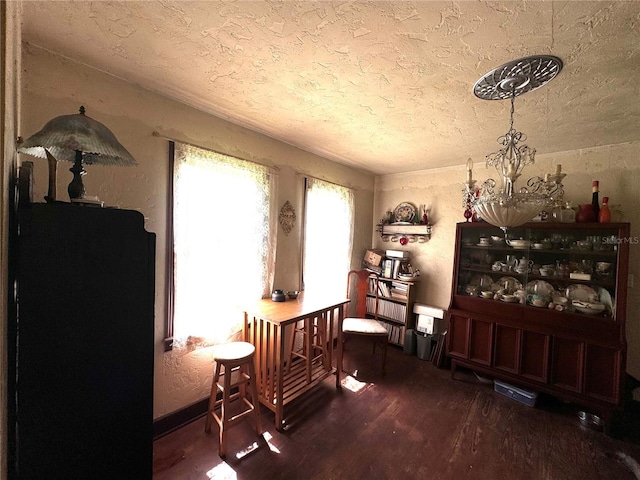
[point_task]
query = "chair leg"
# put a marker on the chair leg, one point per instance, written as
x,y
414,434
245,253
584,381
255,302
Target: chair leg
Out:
x,y
384,355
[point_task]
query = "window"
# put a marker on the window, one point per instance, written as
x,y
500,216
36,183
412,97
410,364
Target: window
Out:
x,y
223,234
328,237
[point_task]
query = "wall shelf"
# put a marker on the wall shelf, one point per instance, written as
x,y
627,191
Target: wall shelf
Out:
x,y
412,232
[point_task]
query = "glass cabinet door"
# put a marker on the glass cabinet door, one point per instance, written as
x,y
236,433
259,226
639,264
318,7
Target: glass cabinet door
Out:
x,y
565,269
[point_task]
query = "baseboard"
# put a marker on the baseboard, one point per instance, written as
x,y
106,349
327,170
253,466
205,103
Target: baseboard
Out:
x,y
179,418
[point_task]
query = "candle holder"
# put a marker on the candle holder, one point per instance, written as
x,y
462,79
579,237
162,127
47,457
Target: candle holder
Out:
x,y
469,194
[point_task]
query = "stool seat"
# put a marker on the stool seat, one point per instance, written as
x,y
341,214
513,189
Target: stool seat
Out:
x,y
233,351
233,359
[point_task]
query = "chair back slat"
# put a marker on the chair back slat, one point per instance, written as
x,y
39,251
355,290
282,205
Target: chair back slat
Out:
x,y
359,282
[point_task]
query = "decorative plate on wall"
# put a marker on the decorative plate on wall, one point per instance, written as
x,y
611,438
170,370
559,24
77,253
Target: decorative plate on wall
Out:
x,y
287,217
405,212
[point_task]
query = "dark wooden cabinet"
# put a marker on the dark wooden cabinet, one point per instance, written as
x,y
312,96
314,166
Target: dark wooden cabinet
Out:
x,y
83,337
554,325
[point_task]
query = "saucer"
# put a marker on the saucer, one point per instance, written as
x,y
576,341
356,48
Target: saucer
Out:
x,y
509,299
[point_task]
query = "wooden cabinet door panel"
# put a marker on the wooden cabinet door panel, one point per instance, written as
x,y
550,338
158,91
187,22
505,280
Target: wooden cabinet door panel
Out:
x,y
507,348
602,371
480,341
567,364
534,358
458,336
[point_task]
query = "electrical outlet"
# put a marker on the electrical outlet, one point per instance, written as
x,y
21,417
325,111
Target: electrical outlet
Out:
x,y
631,280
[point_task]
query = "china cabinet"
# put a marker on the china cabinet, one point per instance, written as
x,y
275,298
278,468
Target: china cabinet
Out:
x,y
543,307
82,344
395,306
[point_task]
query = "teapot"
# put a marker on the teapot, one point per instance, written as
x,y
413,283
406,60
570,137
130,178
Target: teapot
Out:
x,y
278,296
524,265
520,243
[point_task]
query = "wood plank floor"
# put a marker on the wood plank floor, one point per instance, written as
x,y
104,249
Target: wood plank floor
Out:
x,y
413,423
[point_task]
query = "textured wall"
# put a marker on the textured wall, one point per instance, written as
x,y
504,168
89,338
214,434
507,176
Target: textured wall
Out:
x,y
54,86
617,167
10,84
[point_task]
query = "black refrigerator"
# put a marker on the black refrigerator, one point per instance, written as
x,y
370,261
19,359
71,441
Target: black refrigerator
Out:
x,y
81,337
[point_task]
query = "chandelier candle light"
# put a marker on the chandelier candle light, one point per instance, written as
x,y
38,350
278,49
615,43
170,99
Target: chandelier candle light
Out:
x,y
505,205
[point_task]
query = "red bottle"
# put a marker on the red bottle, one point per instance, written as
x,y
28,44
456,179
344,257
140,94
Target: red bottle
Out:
x,y
604,216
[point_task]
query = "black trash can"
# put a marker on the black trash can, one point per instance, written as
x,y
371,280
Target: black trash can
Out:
x,y
423,347
410,342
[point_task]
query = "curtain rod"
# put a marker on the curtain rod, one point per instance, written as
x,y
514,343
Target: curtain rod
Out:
x,y
155,133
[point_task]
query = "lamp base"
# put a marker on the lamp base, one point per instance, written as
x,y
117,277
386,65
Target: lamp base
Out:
x,y
76,187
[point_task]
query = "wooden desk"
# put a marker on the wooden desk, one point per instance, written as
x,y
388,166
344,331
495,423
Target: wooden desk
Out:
x,y
265,325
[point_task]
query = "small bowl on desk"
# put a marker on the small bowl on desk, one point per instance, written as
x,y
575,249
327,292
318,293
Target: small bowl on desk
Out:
x,y
293,294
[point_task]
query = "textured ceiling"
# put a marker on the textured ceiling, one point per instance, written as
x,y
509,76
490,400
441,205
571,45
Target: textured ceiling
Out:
x,y
381,86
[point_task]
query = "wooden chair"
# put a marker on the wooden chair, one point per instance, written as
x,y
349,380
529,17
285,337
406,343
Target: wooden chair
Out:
x,y
356,324
237,359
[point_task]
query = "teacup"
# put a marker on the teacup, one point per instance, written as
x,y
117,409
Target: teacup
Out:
x,y
561,301
484,241
546,272
536,300
497,239
583,245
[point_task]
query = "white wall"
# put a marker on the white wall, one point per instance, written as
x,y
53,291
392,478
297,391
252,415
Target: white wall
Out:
x,y
617,167
55,86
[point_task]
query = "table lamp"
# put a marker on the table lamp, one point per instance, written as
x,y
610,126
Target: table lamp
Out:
x,y
79,139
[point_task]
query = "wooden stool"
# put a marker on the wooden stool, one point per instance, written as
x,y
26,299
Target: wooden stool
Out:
x,y
237,358
314,341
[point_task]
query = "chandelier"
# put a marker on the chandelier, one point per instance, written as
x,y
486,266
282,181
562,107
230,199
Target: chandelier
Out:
x,y
504,204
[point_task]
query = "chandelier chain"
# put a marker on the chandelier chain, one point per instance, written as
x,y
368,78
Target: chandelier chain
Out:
x,y
513,100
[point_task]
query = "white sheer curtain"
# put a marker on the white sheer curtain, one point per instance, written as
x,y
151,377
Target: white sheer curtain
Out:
x,y
328,238
224,243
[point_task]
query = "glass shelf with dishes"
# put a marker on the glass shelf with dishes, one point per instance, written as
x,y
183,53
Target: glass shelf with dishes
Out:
x,y
565,269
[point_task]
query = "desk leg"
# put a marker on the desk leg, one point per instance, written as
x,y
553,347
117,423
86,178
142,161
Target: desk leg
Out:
x,y
279,340
341,314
